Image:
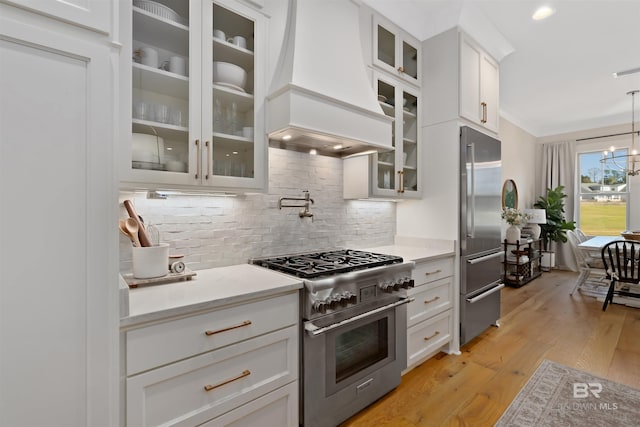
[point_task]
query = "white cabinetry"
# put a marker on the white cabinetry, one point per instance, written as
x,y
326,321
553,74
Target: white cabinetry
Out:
x,y
236,364
58,302
394,174
395,51
92,14
472,93
190,127
430,318
478,85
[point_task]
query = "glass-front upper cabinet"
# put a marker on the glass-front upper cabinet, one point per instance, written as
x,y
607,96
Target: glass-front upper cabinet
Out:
x,y
161,75
196,73
233,122
395,51
396,173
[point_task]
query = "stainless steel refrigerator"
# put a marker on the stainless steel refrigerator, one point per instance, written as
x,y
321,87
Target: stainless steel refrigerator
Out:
x,y
480,247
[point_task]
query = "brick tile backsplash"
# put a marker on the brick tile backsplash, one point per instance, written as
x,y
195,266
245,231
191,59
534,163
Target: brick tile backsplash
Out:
x,y
221,231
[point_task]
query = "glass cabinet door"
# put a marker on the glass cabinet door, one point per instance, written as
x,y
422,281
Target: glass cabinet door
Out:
x,y
385,163
409,142
160,92
386,42
230,73
395,51
396,172
409,60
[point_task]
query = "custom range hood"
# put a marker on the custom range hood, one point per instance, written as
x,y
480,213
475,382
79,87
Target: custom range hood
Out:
x,y
321,96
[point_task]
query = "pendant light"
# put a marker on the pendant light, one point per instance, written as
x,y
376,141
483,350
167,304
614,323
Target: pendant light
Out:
x,y
627,163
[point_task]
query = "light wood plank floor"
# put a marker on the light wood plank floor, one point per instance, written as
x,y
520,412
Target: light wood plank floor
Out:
x,y
539,321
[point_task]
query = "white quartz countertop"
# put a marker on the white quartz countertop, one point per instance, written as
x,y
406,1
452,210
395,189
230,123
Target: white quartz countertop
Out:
x,y
413,253
211,288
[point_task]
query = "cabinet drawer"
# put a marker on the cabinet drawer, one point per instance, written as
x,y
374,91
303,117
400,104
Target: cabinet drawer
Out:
x,y
429,271
196,390
178,339
430,299
278,408
427,337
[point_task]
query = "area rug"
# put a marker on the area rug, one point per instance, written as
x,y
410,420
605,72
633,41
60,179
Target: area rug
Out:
x,y
559,396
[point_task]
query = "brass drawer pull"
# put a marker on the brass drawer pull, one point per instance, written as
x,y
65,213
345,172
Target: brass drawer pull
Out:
x,y
210,387
429,301
245,323
432,336
401,69
429,273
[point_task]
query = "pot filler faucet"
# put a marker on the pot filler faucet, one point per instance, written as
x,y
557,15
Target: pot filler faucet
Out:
x,y
305,212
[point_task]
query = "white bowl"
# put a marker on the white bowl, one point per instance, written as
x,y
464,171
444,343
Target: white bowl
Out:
x,y
231,74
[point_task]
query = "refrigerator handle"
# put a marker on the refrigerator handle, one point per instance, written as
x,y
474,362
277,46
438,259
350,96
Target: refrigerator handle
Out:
x,y
471,192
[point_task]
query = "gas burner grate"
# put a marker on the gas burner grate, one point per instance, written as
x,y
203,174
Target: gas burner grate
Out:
x,y
316,264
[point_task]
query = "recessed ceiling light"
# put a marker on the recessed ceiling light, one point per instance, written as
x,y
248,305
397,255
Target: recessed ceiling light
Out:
x,y
286,137
313,152
337,147
543,12
235,152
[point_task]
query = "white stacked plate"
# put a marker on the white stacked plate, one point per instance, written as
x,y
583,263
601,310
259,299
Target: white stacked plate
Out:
x,y
160,10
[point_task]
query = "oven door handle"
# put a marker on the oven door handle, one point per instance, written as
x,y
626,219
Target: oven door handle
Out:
x,y
316,330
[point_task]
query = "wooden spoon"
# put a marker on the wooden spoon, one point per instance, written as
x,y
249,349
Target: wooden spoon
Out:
x,y
131,225
123,230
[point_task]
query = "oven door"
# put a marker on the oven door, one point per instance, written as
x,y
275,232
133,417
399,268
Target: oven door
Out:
x,y
349,364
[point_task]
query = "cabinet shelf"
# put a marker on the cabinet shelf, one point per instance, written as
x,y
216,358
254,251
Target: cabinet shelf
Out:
x,y
232,139
228,52
409,114
169,132
153,30
386,164
160,81
227,95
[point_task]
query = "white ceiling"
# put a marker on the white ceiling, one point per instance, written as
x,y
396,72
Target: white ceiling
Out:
x,y
556,74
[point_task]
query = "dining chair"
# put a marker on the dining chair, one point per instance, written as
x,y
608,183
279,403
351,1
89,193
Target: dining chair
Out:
x,y
588,265
620,260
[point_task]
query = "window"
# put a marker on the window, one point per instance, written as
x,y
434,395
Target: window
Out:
x,y
604,194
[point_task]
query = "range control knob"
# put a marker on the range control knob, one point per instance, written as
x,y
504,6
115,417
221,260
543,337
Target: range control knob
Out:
x,y
344,299
353,299
332,302
407,283
320,307
397,285
386,287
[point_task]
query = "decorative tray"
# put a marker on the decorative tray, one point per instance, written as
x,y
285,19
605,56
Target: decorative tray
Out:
x,y
133,282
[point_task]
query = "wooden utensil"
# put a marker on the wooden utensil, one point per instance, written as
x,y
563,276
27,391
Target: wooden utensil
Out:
x,y
142,232
131,225
123,230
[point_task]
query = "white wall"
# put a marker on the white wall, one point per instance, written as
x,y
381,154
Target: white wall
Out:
x,y
518,161
219,231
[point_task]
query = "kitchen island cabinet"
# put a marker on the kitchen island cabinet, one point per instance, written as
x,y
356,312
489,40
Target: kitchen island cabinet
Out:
x,y
213,350
190,129
58,305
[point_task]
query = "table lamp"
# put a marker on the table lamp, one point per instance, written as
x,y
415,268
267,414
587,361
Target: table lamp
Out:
x,y
536,216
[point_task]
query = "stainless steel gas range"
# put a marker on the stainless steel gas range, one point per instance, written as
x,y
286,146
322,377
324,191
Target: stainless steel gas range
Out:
x,y
353,335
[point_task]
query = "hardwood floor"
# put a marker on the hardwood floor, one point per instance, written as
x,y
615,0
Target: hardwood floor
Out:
x,y
539,321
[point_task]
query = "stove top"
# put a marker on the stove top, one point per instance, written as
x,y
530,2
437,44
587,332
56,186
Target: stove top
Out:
x,y
317,264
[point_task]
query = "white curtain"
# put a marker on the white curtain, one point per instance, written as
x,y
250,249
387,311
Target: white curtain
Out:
x,y
558,168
